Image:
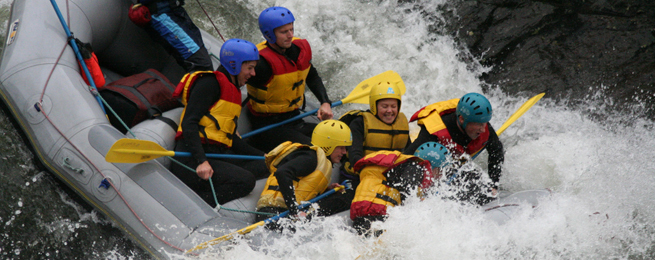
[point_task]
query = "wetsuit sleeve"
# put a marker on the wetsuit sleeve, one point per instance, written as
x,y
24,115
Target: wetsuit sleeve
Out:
x,y
315,84
263,73
496,156
298,164
356,150
203,95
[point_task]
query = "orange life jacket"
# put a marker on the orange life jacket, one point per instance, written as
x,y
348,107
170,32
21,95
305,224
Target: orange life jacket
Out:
x,y
285,89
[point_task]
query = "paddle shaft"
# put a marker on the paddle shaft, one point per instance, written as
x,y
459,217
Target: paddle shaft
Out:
x,y
187,154
78,55
264,222
268,127
224,156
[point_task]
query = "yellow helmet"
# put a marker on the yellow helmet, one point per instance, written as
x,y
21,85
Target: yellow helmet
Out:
x,y
383,90
331,133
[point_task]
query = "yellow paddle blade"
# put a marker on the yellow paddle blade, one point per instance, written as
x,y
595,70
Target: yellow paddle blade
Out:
x,y
227,237
519,112
135,151
361,92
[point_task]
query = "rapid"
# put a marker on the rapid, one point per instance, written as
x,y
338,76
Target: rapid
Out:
x,y
597,163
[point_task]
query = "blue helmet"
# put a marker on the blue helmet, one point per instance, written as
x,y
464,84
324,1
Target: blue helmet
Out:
x,y
436,153
234,52
474,107
271,18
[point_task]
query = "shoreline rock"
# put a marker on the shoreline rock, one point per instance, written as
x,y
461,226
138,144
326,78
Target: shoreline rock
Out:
x,y
571,47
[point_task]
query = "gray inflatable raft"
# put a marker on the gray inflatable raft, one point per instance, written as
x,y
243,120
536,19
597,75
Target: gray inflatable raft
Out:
x,y
70,134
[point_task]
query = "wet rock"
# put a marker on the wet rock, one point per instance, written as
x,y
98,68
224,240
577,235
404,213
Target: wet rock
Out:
x,y
572,47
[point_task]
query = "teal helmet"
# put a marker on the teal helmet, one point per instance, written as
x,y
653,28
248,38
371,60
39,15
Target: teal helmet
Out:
x,y
234,52
474,107
271,18
436,153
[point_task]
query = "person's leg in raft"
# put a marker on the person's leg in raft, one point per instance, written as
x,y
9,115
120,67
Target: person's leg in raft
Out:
x,y
230,181
256,167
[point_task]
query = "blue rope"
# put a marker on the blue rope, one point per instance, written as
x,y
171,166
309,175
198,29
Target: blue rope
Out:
x,y
78,55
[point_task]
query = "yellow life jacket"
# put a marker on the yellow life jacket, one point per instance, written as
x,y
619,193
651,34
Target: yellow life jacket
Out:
x,y
430,116
373,196
285,89
380,136
218,125
306,187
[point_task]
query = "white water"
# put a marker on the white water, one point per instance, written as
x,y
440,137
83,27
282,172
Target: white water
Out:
x,y
601,174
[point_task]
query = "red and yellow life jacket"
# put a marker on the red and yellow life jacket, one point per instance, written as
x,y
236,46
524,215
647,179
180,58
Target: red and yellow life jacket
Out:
x,y
430,117
306,188
373,196
380,136
284,90
218,125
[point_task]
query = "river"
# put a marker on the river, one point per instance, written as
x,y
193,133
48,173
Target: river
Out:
x,y
600,169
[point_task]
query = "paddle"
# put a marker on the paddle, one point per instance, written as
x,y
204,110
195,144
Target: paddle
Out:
x,y
269,220
358,95
519,112
136,151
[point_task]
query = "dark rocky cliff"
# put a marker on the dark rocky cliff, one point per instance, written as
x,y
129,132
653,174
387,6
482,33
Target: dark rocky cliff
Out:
x,y
573,47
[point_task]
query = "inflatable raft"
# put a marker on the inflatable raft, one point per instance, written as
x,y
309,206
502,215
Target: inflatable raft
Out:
x,y
42,87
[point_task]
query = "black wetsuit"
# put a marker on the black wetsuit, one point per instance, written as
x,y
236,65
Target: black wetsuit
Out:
x,y
297,131
232,178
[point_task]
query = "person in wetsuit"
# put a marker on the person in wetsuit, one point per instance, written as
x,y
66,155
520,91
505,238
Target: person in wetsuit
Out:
x,y
208,124
382,127
301,172
276,92
462,125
